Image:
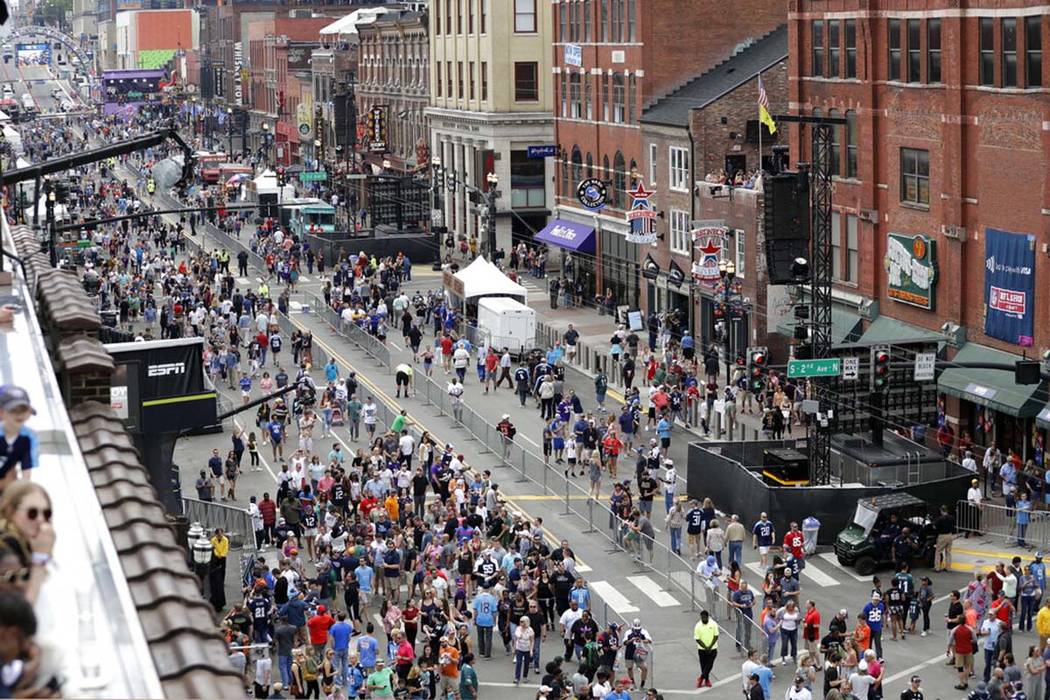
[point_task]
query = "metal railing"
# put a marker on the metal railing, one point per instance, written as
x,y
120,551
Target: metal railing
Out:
x,y
235,522
359,337
1004,523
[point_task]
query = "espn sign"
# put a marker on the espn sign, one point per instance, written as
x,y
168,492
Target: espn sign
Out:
x,y
166,369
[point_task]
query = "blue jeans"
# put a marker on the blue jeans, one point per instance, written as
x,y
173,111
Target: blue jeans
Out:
x,y
676,539
521,664
536,654
284,665
668,501
989,662
340,666
736,552
1021,528
1027,609
789,639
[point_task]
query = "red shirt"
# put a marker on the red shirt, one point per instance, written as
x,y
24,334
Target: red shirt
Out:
x,y
963,637
319,626
1005,612
811,629
268,510
793,544
446,345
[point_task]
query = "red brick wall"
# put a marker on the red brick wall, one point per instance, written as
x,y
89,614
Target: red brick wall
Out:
x,y
989,151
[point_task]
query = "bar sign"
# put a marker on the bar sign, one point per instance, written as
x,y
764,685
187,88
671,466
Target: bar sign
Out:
x,y
547,151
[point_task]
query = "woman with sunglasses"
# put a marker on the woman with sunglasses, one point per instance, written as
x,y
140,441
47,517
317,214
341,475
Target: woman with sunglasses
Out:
x,y
26,537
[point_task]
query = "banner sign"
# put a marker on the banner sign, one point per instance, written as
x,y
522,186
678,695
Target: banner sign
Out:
x,y
650,268
911,268
238,73
592,193
377,128
573,55
675,274
1009,286
642,216
709,240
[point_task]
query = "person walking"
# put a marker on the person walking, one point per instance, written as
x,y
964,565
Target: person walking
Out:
x,y
524,637
507,432
705,633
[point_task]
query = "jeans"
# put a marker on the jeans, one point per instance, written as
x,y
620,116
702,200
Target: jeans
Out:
x,y
743,630
521,664
788,640
485,640
1021,528
340,666
736,552
284,665
676,539
876,642
989,662
668,500
1027,610
536,653
355,429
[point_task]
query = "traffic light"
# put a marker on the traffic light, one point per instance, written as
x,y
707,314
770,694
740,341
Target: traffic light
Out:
x,y
757,368
280,176
880,367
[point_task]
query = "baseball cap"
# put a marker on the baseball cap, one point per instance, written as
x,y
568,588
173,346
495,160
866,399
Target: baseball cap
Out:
x,y
321,608
637,624
916,679
14,397
546,689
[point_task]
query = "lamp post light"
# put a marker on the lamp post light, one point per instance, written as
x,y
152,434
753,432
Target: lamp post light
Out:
x,y
490,199
317,154
267,139
229,132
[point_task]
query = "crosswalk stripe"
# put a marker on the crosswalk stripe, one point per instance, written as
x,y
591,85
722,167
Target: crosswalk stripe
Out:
x,y
612,597
650,588
818,576
295,306
304,278
757,568
583,569
831,558
243,280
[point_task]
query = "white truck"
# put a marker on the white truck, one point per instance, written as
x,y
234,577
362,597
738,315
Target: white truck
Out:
x,y
507,323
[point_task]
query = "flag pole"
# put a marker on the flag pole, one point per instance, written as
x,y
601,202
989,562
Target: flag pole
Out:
x,y
760,125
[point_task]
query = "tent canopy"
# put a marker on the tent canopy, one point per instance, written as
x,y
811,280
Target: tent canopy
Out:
x,y
482,278
347,25
61,212
266,183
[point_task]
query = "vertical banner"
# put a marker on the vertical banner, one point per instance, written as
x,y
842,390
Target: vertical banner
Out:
x,y
1009,286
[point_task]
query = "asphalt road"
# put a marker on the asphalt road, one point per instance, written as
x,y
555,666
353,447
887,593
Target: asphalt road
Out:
x,y
626,589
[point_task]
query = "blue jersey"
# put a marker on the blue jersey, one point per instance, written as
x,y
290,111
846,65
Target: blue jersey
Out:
x,y
873,614
485,610
763,532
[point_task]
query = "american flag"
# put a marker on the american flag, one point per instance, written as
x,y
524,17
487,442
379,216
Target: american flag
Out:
x,y
763,99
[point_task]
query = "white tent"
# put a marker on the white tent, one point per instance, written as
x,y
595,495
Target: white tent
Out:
x,y
482,278
266,183
61,212
347,25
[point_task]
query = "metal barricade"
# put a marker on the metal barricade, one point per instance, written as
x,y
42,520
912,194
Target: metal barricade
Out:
x,y
235,522
1006,524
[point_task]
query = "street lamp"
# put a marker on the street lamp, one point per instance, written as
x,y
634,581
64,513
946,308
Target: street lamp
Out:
x,y
386,164
229,132
491,196
267,140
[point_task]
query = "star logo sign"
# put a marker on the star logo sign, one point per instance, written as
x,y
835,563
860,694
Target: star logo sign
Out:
x,y
711,249
640,196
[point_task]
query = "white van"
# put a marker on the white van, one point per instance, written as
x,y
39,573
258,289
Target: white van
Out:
x,y
507,323
27,102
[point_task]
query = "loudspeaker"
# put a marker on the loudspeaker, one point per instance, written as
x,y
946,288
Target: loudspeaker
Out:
x,y
787,224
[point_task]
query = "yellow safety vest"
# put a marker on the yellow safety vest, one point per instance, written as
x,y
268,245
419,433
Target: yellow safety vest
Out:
x,y
706,634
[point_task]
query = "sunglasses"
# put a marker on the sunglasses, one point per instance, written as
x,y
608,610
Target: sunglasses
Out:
x,y
34,513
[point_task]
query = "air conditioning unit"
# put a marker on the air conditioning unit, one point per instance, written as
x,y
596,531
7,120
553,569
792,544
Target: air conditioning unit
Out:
x,y
954,232
869,215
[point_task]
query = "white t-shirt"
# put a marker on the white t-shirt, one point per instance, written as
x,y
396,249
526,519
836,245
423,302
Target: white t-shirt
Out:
x,y
368,413
569,618
407,445
600,690
974,495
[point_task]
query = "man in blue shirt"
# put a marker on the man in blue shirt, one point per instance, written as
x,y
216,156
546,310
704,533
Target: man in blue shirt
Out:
x,y
276,438
874,613
663,430
485,620
340,633
365,575
763,534
368,649
331,371
581,595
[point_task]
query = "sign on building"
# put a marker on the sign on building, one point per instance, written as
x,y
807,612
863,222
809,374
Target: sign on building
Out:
x,y
573,55
641,217
709,240
911,270
925,366
377,126
1009,286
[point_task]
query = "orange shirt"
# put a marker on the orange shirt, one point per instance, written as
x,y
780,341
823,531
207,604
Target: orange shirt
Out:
x,y
970,615
393,507
451,669
862,636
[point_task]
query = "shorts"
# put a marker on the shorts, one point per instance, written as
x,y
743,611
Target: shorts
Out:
x,y
652,411
402,379
310,532
695,537
559,443
570,350
764,551
245,394
365,597
963,660
896,611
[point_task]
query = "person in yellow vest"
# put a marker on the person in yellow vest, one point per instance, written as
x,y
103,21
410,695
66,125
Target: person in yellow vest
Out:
x,y
264,290
151,186
706,635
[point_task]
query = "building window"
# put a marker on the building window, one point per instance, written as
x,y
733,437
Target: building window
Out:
x,y
852,250
588,99
652,164
590,165
741,252
563,93
619,98
1033,49
851,48
605,97
437,65
571,8
617,21
818,47
575,99
566,187
437,17
987,46
470,16
527,179
563,22
678,169
587,20
631,19
833,48
679,224
836,145
471,67
620,180
605,174
459,16
526,81
459,79
933,51
915,176
483,14
484,81
836,246
448,75
603,23
914,55
632,96
577,164
1009,39
893,28
524,16
851,144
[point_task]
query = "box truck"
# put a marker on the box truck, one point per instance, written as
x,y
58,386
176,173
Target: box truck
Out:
x,y
507,323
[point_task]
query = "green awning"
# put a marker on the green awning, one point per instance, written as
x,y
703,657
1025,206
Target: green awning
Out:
x,y
888,330
845,326
993,388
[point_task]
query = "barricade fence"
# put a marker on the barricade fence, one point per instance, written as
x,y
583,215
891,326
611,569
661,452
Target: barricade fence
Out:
x,y
1029,528
235,522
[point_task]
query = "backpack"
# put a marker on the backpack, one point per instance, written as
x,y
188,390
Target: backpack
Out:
x,y
309,669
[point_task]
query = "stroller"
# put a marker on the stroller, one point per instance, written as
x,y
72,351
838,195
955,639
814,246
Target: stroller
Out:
x,y
337,416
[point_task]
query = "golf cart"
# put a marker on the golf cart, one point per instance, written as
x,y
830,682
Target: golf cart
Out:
x,y
867,543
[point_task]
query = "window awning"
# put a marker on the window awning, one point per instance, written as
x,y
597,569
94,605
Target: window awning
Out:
x,y
993,388
888,330
845,326
569,235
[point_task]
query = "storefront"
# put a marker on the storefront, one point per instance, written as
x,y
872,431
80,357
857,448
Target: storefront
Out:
x,y
620,268
577,243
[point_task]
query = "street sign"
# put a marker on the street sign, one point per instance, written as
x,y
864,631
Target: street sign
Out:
x,y
547,151
829,367
925,366
313,176
850,368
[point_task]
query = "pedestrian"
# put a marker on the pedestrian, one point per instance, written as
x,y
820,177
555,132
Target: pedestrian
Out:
x,y
705,633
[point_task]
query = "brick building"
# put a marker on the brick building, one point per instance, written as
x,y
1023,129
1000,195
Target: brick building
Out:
x,y
941,218
707,126
614,58
393,70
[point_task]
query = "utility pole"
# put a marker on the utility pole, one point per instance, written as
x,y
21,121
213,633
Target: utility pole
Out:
x,y
490,212
52,249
